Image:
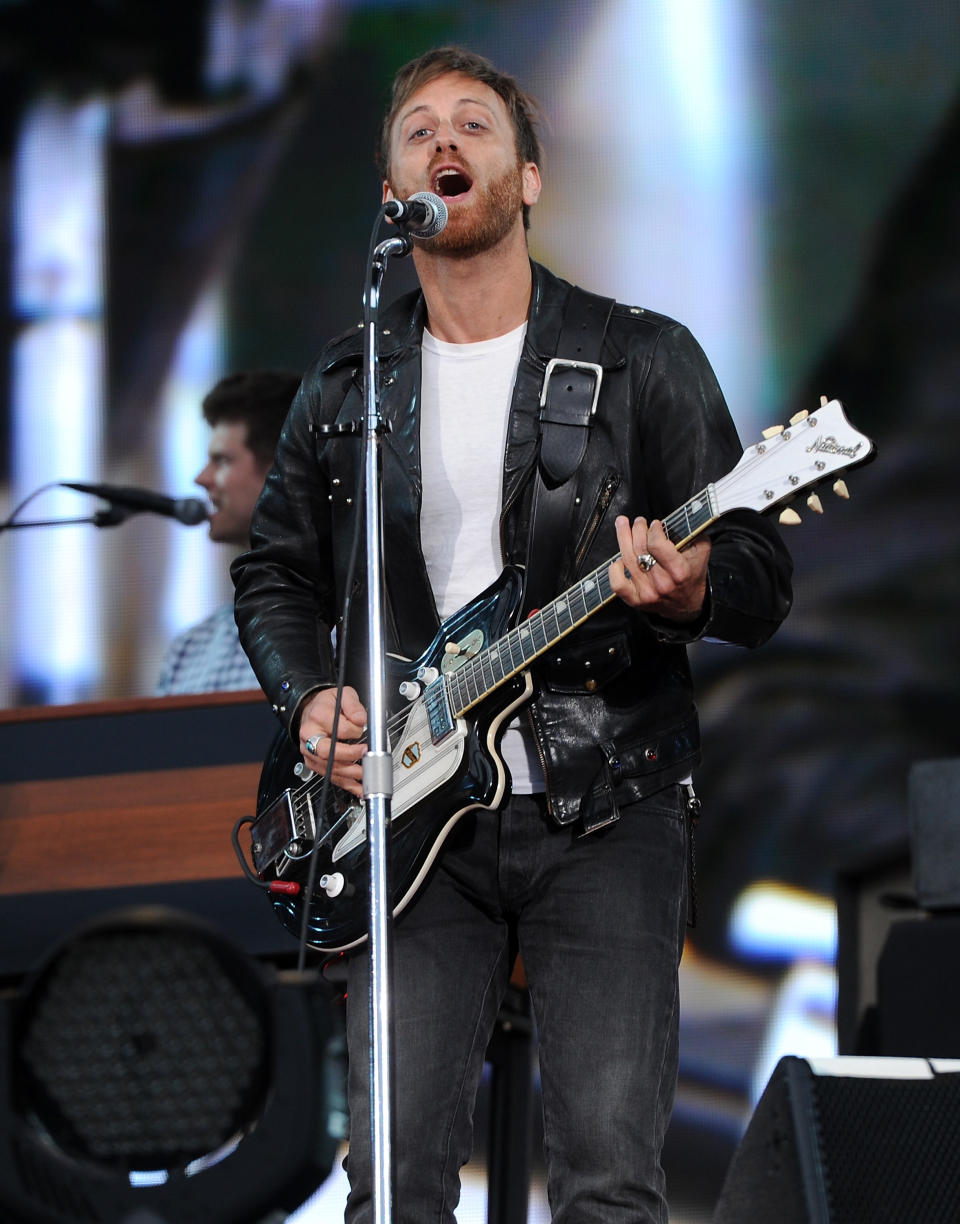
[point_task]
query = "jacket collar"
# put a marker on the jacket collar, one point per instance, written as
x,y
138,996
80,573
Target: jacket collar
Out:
x,y
402,324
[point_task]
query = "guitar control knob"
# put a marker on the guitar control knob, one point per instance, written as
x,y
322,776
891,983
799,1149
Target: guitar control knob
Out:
x,y
427,674
410,690
303,771
332,884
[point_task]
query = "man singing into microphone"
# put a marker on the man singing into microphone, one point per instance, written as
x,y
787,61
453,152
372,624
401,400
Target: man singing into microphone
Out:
x,y
246,412
581,865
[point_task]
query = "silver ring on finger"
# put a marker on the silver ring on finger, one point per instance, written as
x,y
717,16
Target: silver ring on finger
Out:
x,y
646,561
312,742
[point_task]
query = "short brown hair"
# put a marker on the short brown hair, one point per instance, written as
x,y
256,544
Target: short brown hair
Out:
x,y
259,399
442,61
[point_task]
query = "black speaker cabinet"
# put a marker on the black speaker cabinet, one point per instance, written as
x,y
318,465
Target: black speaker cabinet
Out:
x,y
918,989
850,1141
934,796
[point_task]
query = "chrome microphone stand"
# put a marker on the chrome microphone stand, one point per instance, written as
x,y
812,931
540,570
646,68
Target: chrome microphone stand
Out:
x,y
378,760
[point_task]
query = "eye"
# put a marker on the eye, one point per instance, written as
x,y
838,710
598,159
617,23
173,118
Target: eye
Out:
x,y
417,133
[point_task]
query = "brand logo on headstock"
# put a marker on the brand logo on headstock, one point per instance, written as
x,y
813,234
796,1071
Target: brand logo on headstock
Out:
x,y
830,446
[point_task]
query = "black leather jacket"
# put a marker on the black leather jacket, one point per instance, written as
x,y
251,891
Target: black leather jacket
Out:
x,y
613,710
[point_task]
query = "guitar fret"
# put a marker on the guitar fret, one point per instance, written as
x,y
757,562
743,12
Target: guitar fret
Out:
x,y
455,680
691,517
462,676
699,508
486,674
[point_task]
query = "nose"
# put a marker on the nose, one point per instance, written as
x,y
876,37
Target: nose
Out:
x,y
203,477
445,138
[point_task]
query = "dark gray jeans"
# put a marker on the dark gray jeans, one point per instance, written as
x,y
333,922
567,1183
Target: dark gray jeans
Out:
x,y
599,922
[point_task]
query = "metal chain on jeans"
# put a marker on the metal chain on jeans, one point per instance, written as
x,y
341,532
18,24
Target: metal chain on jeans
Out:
x,y
692,814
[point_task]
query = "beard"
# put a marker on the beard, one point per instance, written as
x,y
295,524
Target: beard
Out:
x,y
491,216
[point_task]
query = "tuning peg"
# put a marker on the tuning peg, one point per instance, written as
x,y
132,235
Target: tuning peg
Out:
x,y
815,504
789,517
823,401
773,431
798,417
841,490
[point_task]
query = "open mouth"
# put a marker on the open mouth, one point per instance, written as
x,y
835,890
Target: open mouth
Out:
x,y
450,183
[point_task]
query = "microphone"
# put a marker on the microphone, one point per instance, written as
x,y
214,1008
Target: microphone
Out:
x,y
189,510
424,215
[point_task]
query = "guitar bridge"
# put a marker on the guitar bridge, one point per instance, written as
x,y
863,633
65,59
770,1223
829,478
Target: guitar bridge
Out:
x,y
283,832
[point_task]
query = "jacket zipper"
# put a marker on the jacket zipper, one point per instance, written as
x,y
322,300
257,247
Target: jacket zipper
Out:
x,y
541,755
607,489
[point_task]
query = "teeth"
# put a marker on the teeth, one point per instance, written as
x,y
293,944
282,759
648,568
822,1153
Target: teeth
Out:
x,y
445,174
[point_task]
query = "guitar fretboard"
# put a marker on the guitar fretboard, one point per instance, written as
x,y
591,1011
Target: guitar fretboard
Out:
x,y
478,677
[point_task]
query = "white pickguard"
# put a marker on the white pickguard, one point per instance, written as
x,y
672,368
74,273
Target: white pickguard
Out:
x,y
419,768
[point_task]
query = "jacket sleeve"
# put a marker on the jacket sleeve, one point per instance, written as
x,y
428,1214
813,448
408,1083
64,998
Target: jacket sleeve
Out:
x,y
690,441
284,585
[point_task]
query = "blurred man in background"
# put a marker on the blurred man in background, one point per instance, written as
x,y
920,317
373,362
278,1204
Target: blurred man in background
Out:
x,y
246,412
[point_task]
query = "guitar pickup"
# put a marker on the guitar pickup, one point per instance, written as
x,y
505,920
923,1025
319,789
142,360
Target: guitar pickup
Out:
x,y
438,710
282,831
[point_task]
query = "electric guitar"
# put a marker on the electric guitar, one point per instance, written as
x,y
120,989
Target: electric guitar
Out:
x,y
451,703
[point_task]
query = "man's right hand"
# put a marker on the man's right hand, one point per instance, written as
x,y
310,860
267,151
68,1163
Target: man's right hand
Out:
x,y
316,730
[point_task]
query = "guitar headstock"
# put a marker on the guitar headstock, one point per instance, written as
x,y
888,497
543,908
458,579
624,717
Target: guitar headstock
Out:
x,y
790,458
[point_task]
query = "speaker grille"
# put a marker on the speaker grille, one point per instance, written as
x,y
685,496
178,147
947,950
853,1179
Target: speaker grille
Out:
x,y
847,1149
890,1148
142,1047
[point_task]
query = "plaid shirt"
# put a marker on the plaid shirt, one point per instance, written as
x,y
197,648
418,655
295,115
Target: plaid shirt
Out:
x,y
206,658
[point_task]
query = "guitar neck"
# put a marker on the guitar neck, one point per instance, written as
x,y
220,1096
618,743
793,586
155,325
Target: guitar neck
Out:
x,y
789,459
517,649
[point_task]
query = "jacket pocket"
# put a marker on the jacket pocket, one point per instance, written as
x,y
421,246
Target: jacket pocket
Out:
x,y
652,761
575,665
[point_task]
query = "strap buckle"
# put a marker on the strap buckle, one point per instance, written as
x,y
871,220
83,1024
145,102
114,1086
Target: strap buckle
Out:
x,y
556,363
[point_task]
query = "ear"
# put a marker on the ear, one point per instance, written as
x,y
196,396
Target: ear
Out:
x,y
531,183
387,193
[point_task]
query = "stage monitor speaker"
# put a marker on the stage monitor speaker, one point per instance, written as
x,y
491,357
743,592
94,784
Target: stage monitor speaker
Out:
x,y
149,1071
850,1141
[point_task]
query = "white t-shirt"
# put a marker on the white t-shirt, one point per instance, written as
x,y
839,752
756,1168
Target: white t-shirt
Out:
x,y
465,401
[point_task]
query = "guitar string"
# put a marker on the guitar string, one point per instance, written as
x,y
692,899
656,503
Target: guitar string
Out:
x,y
685,519
304,793
684,523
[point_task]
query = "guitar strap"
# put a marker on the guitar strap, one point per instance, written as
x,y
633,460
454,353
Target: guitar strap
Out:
x,y
568,402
